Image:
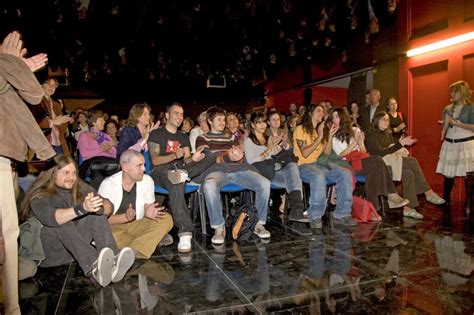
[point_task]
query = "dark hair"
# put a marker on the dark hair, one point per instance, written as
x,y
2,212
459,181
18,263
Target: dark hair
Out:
x,y
111,121
273,112
213,112
377,117
257,117
93,116
345,132
169,107
349,108
307,121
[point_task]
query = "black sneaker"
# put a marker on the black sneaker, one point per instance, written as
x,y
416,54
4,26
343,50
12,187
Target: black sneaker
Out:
x,y
301,229
347,221
316,224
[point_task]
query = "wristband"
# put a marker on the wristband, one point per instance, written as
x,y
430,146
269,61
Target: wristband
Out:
x,y
79,210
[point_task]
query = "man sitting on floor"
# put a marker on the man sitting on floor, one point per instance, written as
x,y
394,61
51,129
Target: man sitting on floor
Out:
x,y
137,221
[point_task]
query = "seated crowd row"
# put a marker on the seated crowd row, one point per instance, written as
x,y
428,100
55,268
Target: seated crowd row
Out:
x,y
124,220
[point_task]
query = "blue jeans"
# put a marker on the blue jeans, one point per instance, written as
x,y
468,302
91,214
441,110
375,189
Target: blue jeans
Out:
x,y
316,176
247,180
288,178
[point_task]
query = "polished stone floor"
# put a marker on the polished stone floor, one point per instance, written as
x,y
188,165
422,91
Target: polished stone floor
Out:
x,y
397,266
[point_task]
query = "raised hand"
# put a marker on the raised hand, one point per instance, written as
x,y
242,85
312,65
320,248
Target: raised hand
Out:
x,y
409,140
236,153
179,152
198,155
13,45
92,203
154,211
36,62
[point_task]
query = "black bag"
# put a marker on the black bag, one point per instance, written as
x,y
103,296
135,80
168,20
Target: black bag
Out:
x,y
242,223
284,158
266,168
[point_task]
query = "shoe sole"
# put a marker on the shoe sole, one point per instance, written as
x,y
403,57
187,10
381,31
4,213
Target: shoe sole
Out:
x,y
185,250
125,260
105,264
391,205
302,220
218,242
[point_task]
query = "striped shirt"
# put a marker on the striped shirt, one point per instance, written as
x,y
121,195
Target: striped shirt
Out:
x,y
219,143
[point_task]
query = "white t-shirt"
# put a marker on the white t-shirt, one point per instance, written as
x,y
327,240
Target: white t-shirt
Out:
x,y
338,146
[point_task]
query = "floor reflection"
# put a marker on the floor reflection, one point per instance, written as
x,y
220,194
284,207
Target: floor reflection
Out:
x,y
396,266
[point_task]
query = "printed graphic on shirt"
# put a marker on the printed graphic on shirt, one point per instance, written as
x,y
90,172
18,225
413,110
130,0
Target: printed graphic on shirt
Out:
x,y
172,146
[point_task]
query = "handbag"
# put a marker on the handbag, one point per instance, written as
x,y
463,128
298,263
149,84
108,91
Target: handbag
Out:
x,y
266,168
355,159
364,210
285,157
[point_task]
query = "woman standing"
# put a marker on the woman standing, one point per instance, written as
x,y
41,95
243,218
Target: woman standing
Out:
x,y
349,140
260,147
380,142
456,157
397,123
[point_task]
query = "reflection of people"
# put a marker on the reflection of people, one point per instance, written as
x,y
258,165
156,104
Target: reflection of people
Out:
x,y
137,222
71,218
19,131
254,284
456,157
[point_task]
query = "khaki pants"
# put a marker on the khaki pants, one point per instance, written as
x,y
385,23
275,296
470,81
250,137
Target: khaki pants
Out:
x,y
142,235
10,231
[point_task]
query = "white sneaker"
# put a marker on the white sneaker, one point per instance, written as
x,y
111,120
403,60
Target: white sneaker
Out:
x,y
184,245
102,268
219,236
177,176
123,261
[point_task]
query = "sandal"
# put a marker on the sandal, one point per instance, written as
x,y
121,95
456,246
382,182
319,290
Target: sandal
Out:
x,y
412,213
435,199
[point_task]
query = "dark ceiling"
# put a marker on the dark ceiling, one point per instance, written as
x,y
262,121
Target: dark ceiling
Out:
x,y
160,49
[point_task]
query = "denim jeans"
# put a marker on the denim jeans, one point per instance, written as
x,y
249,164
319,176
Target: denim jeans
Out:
x,y
247,180
288,178
316,176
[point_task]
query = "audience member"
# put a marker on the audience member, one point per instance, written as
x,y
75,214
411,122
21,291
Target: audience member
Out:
x,y
96,150
368,112
19,131
170,154
111,129
201,128
72,216
187,125
354,112
380,142
229,169
397,122
349,142
135,134
137,220
261,147
308,147
232,125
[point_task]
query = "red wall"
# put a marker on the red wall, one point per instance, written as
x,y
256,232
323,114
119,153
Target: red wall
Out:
x,y
424,79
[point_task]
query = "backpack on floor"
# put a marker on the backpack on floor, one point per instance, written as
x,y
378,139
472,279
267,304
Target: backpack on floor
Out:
x,y
242,222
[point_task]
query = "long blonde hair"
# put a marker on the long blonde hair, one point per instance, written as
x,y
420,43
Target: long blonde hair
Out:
x,y
45,186
463,88
135,113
